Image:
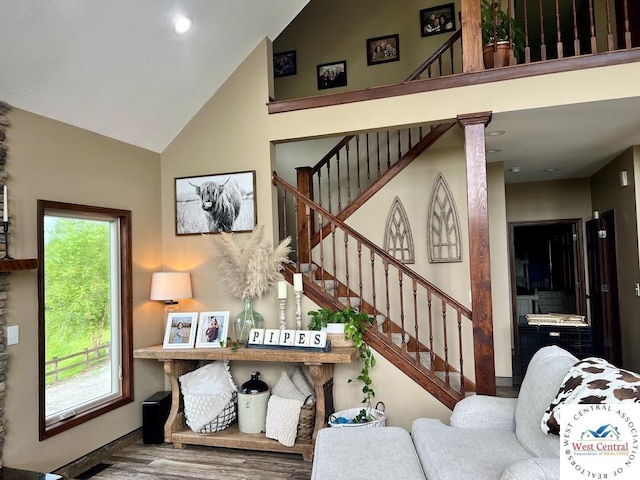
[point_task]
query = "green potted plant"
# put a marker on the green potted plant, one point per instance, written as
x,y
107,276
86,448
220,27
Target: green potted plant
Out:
x,y
505,27
355,324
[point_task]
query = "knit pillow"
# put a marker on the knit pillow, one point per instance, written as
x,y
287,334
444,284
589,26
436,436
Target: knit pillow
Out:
x,y
592,381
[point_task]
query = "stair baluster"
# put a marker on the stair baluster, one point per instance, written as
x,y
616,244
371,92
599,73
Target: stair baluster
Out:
x,y
393,334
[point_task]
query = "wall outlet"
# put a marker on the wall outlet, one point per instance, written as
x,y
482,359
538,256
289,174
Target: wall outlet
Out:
x,y
13,335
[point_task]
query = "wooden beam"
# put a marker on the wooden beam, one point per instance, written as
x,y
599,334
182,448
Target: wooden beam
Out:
x,y
478,213
305,187
471,36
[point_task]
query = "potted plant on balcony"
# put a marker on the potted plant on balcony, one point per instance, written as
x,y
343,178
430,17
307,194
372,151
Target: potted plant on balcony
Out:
x,y
355,324
498,35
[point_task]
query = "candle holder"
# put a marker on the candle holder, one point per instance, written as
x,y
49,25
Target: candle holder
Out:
x,y
298,296
5,230
283,315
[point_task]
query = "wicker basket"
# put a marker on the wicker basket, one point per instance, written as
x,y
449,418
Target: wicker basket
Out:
x,y
224,418
377,413
307,421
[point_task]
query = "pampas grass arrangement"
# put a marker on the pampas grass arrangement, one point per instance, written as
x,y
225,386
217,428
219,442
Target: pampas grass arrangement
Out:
x,y
250,272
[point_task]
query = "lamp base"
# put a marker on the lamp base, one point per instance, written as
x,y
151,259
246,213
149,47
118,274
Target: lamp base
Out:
x,y
171,306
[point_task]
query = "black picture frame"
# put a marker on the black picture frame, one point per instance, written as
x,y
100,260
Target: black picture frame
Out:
x,y
437,20
284,64
196,197
383,49
332,75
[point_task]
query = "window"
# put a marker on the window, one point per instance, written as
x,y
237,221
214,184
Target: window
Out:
x,y
85,312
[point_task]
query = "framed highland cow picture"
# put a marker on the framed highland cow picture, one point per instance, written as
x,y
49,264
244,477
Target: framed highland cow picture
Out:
x,y
215,203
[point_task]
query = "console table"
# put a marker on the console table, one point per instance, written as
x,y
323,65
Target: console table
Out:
x,y
180,361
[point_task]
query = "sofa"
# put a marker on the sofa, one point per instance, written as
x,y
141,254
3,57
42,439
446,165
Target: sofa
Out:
x,y
488,437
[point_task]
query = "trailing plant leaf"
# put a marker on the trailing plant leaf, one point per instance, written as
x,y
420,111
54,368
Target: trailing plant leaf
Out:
x,y
355,324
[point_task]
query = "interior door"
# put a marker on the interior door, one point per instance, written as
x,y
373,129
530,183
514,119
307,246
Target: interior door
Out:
x,y
605,320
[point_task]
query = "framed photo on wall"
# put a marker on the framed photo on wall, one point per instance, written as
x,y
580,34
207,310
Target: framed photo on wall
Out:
x,y
435,20
332,75
383,49
213,328
224,202
180,330
284,64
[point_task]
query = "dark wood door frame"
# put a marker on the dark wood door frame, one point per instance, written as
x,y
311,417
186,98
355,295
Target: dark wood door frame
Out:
x,y
578,266
603,287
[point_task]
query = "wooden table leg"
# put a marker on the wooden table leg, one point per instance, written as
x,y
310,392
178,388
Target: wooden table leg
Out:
x,y
174,369
322,376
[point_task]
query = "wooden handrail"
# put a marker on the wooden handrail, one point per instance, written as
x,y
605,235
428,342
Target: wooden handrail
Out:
x,y
435,56
324,160
277,181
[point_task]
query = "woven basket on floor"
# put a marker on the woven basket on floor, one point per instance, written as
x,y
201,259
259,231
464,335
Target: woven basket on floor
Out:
x,y
307,421
377,413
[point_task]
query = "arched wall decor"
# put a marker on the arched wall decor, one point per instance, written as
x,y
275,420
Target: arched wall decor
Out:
x,y
398,240
443,225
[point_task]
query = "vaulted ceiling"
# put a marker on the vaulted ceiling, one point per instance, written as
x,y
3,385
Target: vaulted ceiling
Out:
x,y
115,67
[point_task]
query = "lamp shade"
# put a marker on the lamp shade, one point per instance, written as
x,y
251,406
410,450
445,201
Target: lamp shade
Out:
x,y
168,286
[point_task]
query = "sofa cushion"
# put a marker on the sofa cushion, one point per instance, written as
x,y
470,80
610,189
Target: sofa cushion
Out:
x,y
483,411
595,381
533,469
464,453
362,453
545,373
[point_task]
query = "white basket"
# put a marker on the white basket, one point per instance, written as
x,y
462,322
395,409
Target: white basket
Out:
x,y
378,413
224,418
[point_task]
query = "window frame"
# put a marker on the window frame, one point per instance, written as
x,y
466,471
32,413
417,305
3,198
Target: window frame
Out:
x,y
46,207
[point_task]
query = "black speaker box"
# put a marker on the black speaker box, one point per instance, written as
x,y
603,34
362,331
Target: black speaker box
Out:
x,y
155,411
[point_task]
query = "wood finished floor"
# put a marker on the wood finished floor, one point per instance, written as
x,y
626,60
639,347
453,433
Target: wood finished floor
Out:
x,y
146,462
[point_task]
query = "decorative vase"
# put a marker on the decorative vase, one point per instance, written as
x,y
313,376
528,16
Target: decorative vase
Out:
x,y
246,320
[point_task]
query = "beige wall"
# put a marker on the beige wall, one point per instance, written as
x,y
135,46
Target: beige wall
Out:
x,y
549,200
320,36
54,161
607,194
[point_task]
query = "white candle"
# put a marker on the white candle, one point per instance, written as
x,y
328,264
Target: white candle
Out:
x,y
297,282
5,208
282,289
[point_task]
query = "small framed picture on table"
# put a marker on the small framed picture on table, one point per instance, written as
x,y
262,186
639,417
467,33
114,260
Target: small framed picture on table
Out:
x,y
213,328
180,331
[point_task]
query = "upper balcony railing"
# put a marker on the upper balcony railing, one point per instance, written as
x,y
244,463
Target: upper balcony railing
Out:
x,y
538,37
541,30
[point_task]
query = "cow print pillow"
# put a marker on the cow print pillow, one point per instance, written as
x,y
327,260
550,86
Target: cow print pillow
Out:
x,y
592,380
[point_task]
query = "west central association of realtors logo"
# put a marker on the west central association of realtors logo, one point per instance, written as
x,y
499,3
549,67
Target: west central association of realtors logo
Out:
x,y
600,441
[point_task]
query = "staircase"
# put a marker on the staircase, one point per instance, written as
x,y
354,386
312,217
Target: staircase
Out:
x,y
420,329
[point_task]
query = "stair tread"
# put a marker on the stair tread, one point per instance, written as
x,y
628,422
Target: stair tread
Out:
x,y
304,268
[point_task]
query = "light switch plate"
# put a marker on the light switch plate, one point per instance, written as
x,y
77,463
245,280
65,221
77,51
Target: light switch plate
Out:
x,y
13,335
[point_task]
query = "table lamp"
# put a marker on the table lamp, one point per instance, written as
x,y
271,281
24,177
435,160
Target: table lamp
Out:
x,y
170,287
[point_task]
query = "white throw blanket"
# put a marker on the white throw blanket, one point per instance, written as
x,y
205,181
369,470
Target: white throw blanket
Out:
x,y
283,415
206,392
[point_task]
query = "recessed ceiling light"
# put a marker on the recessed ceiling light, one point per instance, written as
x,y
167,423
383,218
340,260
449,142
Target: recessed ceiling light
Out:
x,y
182,24
496,133
515,169
494,150
550,169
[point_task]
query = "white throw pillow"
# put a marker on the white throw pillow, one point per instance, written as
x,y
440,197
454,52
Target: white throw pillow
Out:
x,y
302,384
286,389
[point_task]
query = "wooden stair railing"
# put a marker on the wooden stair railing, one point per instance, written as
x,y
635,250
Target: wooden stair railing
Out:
x,y
359,165
305,182
419,328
